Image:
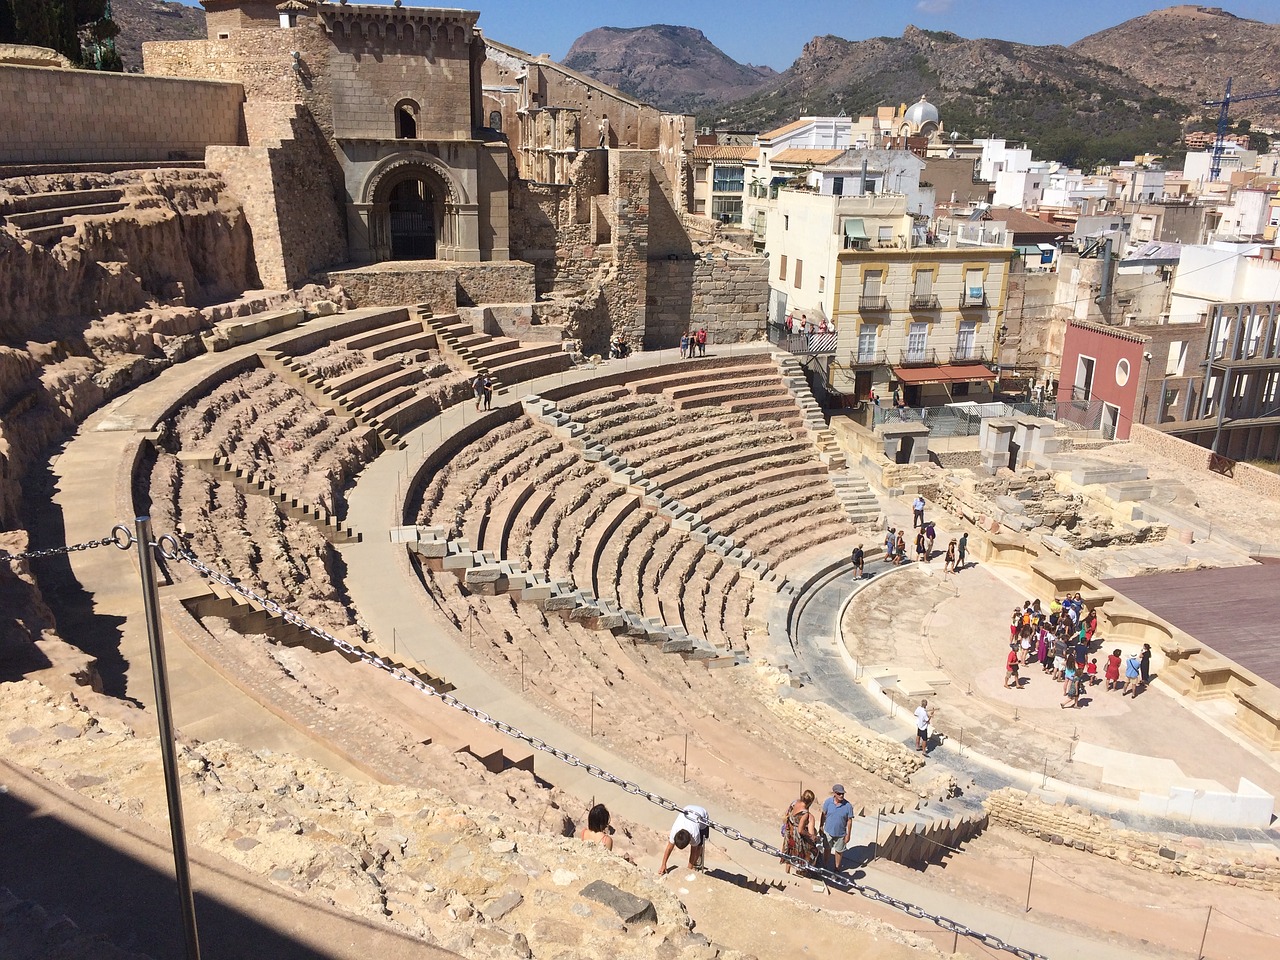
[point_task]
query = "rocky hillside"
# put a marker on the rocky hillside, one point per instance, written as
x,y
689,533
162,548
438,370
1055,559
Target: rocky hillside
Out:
x,y
1065,105
675,68
1188,52
143,20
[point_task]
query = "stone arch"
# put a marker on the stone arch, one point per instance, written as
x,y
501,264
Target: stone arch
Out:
x,y
416,209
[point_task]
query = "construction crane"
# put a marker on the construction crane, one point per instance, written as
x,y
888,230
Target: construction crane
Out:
x,y
1224,108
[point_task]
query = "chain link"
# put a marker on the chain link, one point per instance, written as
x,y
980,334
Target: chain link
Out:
x,y
119,537
172,548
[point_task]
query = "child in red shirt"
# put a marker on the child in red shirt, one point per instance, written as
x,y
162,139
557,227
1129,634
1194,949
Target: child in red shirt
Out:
x,y
1092,672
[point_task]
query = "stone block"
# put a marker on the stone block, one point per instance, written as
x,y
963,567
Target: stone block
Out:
x,y
629,908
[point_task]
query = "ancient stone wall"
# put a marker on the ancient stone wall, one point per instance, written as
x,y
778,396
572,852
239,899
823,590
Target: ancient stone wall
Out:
x,y
509,282
261,61
1195,457
290,188
728,297
1064,825
51,115
390,285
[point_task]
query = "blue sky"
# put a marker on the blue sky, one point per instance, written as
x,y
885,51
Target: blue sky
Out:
x,y
772,32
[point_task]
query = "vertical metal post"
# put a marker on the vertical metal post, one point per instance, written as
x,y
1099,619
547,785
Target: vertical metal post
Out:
x,y
686,758
593,716
1204,936
164,718
1030,877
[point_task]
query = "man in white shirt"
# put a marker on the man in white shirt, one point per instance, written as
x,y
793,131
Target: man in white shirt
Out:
x,y
923,716
689,830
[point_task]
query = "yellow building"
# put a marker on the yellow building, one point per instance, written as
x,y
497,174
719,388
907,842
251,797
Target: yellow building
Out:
x,y
923,319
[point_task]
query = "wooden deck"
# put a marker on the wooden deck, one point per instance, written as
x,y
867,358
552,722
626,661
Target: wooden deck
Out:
x,y
1234,610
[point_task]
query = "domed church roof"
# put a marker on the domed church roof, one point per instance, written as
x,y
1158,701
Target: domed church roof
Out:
x,y
920,113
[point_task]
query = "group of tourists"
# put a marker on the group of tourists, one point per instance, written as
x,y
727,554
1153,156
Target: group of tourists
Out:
x,y
693,343
1061,639
925,536
802,327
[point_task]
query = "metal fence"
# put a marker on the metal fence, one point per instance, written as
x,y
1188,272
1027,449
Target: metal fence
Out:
x,y
965,420
801,343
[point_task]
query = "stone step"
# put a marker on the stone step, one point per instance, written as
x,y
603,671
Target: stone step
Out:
x,y
31,202
26,222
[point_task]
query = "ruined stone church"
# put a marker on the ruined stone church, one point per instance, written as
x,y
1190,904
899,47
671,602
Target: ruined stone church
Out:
x,y
401,155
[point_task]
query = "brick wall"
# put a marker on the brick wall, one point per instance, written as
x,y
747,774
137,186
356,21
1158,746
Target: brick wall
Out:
x,y
51,115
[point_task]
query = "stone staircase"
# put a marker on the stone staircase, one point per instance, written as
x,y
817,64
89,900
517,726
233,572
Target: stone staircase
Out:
x,y
652,496
42,217
209,598
485,574
249,482
505,360
384,393
916,837
855,493
856,497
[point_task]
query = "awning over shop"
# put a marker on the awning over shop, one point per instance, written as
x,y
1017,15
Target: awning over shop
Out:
x,y
854,230
943,373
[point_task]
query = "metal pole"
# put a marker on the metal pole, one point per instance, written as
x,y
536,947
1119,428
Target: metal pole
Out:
x,y
686,758
164,718
1205,935
1030,877
593,715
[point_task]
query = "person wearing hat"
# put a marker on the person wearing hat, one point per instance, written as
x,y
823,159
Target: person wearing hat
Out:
x,y
836,823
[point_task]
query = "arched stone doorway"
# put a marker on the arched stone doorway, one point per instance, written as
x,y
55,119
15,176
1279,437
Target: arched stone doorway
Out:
x,y
412,221
413,209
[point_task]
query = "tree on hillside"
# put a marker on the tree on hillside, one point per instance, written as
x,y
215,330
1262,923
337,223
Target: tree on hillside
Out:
x,y
58,24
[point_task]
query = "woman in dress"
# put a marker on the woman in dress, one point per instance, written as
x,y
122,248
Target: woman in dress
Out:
x,y
1071,685
1112,671
798,831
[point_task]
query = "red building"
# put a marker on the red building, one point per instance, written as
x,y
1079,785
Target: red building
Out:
x,y
1101,377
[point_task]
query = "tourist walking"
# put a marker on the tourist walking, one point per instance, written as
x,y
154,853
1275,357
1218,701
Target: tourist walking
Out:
x,y
477,388
689,830
900,549
800,838
930,537
1071,685
917,512
1011,667
921,550
701,339
684,345
836,824
859,559
890,542
923,718
962,548
1132,675
1144,664
487,386
949,562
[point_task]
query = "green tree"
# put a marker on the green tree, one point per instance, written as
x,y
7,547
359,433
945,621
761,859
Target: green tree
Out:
x,y
56,24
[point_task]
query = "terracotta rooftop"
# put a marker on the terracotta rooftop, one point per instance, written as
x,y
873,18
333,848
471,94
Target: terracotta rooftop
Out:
x,y
721,152
1018,221
807,155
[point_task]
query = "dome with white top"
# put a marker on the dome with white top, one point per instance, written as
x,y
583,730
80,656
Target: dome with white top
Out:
x,y
920,113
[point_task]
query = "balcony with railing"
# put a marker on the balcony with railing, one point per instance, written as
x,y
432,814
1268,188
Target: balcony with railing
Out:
x,y
971,300
868,358
918,357
873,303
973,353
924,301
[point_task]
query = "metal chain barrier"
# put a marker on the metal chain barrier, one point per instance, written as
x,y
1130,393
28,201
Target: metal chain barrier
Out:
x,y
171,548
120,537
